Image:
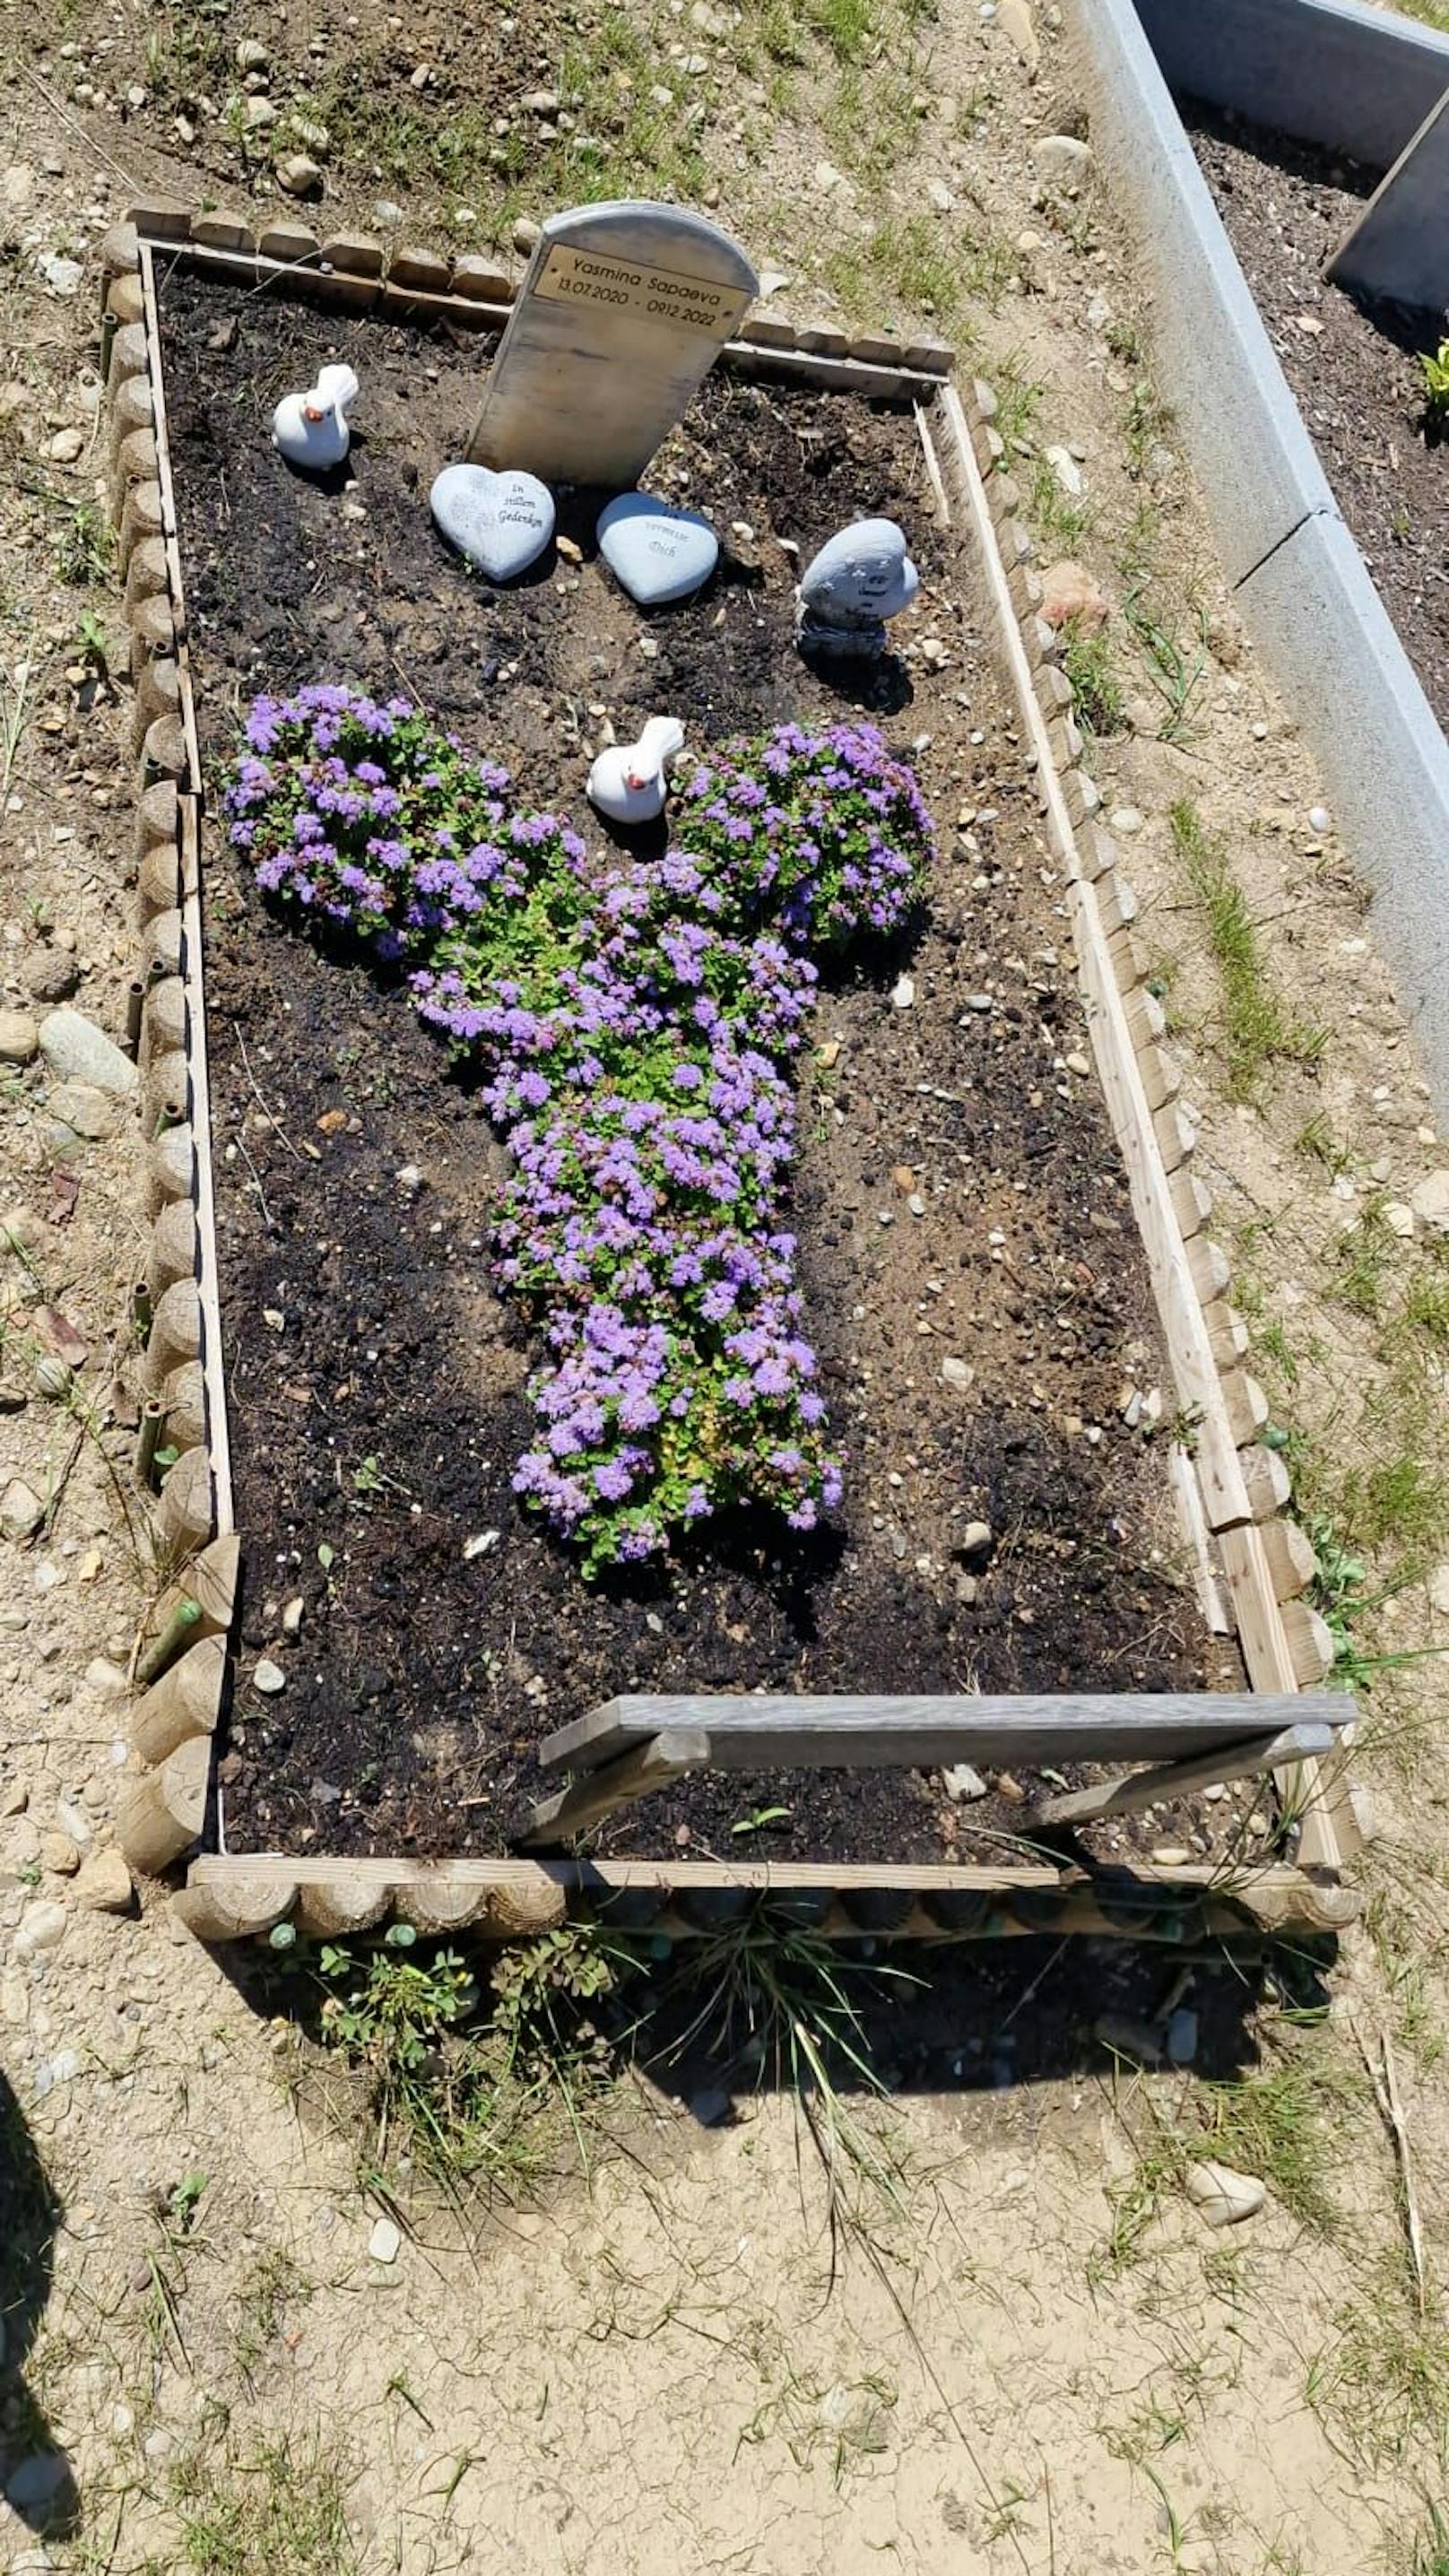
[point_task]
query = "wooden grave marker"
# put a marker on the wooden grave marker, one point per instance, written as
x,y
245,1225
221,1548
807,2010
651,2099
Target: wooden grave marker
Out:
x,y
621,315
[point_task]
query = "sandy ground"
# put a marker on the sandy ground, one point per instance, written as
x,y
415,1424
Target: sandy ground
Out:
x,y
663,2369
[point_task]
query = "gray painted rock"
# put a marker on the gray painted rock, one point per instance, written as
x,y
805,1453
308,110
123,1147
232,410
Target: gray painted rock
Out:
x,y
859,578
654,552
501,522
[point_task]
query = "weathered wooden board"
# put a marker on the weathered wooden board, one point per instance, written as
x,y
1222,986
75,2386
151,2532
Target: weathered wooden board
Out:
x,y
774,1734
650,1765
1142,1789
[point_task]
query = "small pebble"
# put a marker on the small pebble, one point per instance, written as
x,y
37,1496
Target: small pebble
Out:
x,y
385,2242
269,1677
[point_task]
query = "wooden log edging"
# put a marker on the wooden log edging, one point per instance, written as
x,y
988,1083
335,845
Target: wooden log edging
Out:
x,y
227,1899
1242,1488
353,273
182,1459
182,1669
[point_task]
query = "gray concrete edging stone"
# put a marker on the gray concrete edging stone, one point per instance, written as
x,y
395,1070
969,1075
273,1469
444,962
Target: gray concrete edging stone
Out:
x,y
1357,80
1300,581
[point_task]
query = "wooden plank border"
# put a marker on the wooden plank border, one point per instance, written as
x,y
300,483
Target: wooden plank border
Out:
x,y
1281,1652
229,1896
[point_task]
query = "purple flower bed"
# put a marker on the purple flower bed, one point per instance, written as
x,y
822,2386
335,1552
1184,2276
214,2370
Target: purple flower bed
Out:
x,y
634,1021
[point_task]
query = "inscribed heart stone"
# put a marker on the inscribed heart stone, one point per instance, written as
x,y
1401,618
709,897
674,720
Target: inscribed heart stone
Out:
x,y
657,553
861,576
501,522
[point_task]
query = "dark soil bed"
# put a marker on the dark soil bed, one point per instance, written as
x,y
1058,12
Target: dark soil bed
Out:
x,y
1353,366
376,1384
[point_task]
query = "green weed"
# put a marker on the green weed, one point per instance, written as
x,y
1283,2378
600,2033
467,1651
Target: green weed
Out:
x,y
1279,2124
472,2088
1145,422
1385,2376
1124,339
1426,1303
1315,1139
1056,518
1017,403
1435,369
275,2510
1400,1502
1096,690
1257,1031
1172,675
85,549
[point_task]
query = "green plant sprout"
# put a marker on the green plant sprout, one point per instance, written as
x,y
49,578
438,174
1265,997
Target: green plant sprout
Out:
x,y
1436,386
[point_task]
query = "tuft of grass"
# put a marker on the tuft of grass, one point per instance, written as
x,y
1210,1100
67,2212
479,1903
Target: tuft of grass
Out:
x,y
1145,422
1425,1312
1316,1140
1056,518
1096,690
776,1996
1257,1031
1400,1502
85,548
1018,400
1428,2550
278,2509
1279,2124
1124,339
1385,2376
1362,1260
1172,675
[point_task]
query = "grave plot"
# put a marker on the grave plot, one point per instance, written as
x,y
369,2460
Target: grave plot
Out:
x,y
1010,1488
1354,361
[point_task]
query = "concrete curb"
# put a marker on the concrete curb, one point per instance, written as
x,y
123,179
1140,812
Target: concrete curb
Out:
x,y
1358,80
1301,582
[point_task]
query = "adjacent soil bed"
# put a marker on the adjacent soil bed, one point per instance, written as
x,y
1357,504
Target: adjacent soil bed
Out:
x,y
1353,366
376,1384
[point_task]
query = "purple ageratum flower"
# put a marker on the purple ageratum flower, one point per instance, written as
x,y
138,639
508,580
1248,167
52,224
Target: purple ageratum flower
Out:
x,y
632,1022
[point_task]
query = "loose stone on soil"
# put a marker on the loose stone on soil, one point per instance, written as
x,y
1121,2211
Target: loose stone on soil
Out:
x,y
1222,2196
903,992
103,1883
963,1782
74,1047
269,1677
385,2242
41,1928
1061,159
87,1111
21,1510
1429,1199
1069,592
958,1373
299,175
19,1037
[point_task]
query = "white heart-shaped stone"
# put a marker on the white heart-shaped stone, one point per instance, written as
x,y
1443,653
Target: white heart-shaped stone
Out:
x,y
654,552
501,522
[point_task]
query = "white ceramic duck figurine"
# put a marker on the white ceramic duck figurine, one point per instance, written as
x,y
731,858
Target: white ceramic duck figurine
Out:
x,y
311,429
627,780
